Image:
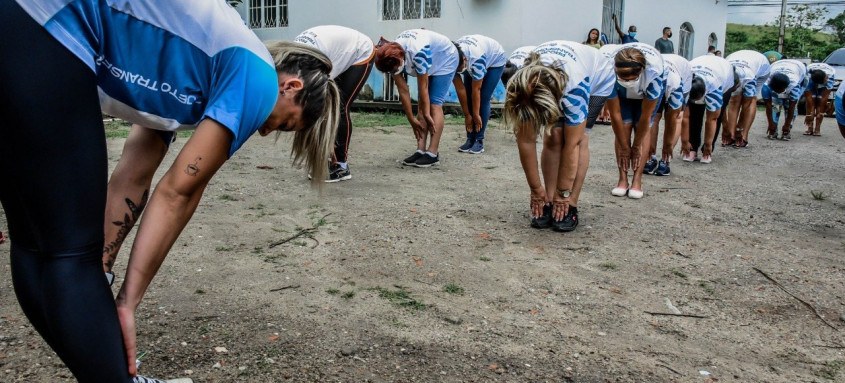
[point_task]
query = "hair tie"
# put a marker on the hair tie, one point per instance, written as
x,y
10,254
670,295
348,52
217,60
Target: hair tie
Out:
x,y
629,64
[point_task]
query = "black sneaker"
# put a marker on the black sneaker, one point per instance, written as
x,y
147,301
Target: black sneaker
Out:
x,y
786,136
427,160
412,160
337,173
569,222
650,166
545,221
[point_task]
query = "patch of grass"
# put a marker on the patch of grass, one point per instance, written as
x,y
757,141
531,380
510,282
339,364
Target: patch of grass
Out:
x,y
707,287
348,295
227,197
300,243
223,248
679,274
608,266
452,288
818,195
259,206
117,128
400,297
258,250
831,370
333,291
484,259
398,323
321,222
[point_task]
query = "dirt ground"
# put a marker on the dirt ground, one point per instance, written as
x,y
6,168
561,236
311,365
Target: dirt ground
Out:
x,y
433,275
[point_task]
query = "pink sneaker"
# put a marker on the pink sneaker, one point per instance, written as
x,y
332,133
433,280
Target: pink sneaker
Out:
x,y
689,157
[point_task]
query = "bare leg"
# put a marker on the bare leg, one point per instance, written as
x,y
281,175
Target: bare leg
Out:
x,y
625,135
729,128
670,134
550,160
746,119
655,129
686,145
637,181
439,125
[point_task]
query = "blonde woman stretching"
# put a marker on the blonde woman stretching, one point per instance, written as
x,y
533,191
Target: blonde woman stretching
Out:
x,y
551,94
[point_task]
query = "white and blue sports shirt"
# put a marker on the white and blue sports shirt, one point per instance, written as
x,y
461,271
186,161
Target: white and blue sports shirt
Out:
x,y
579,62
796,71
753,69
428,52
482,53
718,76
168,65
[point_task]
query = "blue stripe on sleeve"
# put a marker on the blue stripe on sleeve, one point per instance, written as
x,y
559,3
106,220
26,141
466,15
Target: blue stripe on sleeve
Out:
x,y
423,60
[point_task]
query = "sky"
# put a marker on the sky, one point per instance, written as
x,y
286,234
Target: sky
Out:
x,y
764,15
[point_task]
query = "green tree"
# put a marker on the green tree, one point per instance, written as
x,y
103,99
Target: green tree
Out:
x,y
837,25
803,22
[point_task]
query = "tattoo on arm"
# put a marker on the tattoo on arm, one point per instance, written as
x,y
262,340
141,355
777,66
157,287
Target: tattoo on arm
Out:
x,y
193,169
125,225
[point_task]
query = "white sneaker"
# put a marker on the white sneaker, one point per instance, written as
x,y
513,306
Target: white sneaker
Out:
x,y
706,159
689,157
619,192
635,194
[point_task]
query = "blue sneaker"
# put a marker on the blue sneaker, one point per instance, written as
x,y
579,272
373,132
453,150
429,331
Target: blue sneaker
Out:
x,y
477,147
662,169
466,146
650,166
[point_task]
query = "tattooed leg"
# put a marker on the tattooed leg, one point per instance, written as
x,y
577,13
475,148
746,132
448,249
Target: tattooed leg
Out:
x,y
129,188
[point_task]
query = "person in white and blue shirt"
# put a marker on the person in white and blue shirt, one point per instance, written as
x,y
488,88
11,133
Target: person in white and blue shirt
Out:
x,y
164,66
752,68
352,54
640,86
678,84
433,59
822,79
787,82
484,62
550,96
713,82
515,61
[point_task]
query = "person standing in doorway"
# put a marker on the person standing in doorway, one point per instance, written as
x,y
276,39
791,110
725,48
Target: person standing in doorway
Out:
x,y
663,44
630,37
351,53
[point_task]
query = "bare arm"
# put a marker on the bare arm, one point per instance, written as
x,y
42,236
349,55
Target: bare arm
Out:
x,y
458,83
790,115
476,104
424,102
173,203
770,114
526,143
129,188
407,108
618,29
569,157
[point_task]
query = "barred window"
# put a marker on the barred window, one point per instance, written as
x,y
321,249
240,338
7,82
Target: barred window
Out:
x,y
268,13
685,41
409,9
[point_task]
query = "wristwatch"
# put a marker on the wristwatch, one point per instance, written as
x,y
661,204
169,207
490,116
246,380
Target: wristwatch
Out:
x,y
564,193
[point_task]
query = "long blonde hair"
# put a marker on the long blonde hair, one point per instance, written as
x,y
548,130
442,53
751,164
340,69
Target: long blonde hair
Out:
x,y
533,96
320,101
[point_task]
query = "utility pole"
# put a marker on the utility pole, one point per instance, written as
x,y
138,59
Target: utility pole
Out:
x,y
782,26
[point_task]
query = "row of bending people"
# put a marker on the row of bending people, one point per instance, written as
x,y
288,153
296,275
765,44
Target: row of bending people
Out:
x,y
223,82
473,65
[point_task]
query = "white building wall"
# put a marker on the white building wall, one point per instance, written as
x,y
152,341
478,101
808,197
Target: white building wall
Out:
x,y
705,16
513,23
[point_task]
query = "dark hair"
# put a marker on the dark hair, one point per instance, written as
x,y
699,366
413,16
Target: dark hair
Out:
x,y
736,82
778,82
508,72
698,88
818,77
598,36
666,28
388,57
460,57
711,49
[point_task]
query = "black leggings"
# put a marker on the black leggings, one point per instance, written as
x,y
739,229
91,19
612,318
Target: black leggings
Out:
x,y
697,115
349,83
53,192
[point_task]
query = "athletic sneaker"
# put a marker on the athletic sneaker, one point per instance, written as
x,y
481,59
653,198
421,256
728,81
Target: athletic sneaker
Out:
x,y
569,221
543,221
465,147
144,379
689,157
650,166
427,160
412,160
706,159
662,169
786,136
477,147
772,136
337,173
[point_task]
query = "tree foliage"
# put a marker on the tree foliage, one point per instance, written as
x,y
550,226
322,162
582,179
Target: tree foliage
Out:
x,y
803,38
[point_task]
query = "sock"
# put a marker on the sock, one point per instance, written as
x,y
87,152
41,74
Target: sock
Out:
x,y
430,154
344,165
